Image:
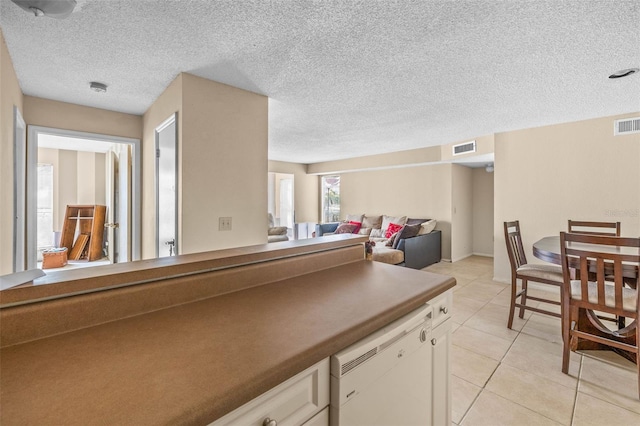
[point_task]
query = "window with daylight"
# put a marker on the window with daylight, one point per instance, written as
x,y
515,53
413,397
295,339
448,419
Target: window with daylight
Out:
x,y
330,199
45,206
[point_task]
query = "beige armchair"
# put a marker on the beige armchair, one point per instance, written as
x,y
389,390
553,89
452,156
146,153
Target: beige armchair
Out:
x,y
276,233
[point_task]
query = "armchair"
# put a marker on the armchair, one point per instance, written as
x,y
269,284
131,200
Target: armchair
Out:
x,y
276,233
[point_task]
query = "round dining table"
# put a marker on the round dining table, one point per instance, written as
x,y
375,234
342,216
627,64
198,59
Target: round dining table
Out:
x,y
548,249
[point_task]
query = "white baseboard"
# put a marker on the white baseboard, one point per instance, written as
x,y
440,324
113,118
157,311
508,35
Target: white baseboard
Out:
x,y
483,254
472,254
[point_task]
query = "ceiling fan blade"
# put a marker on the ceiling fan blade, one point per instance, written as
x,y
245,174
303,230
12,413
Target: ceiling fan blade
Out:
x,y
58,9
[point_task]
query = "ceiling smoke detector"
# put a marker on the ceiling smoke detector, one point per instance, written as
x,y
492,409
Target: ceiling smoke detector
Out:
x,y
624,73
58,9
98,87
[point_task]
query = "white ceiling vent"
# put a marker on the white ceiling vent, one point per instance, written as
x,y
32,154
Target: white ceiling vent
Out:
x,y
464,148
626,126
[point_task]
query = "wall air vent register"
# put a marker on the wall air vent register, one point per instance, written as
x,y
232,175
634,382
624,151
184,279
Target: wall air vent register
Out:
x,y
464,148
626,126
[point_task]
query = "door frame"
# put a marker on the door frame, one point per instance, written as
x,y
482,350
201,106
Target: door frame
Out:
x,y
19,191
31,185
173,118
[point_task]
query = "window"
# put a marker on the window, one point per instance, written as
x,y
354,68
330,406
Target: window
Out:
x,y
330,198
45,206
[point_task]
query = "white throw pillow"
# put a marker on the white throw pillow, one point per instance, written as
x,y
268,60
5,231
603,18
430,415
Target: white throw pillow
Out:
x,y
428,226
376,233
386,220
354,218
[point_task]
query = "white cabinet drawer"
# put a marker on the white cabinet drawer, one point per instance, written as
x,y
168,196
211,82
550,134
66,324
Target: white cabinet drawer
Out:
x,y
290,403
442,306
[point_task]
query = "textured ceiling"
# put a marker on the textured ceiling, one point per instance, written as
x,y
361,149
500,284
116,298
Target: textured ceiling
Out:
x,y
345,78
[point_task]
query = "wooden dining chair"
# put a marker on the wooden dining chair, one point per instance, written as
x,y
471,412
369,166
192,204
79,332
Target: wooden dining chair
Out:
x,y
525,272
599,287
586,227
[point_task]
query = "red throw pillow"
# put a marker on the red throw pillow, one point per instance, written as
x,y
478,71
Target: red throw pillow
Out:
x,y
392,229
345,228
358,226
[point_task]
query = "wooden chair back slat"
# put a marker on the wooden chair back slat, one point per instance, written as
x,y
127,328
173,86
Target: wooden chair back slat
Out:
x,y
617,276
524,273
515,248
600,262
599,267
575,226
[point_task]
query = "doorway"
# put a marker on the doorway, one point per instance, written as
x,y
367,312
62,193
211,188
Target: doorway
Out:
x,y
84,161
166,136
280,200
19,191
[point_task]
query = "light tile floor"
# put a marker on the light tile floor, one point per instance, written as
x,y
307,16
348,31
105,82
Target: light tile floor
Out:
x,y
514,377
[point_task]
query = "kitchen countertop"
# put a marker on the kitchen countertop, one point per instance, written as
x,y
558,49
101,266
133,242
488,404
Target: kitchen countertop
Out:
x,y
193,363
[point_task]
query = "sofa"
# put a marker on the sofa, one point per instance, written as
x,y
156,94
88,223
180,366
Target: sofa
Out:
x,y
397,240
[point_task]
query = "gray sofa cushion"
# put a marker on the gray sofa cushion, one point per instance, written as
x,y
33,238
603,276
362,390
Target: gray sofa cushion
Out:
x,y
407,231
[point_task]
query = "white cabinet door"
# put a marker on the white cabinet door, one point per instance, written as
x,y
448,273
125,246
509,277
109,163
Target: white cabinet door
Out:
x,y
290,403
442,307
320,419
441,371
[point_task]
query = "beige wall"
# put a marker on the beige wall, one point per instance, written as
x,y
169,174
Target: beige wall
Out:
x,y
547,175
461,212
224,165
418,192
67,193
306,190
91,178
482,212
411,157
62,115
10,95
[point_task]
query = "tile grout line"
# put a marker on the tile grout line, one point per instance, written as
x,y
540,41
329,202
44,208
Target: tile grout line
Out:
x,y
483,388
500,362
581,365
575,396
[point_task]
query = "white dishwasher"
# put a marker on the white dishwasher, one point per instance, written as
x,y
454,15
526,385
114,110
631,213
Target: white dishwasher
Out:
x,y
385,379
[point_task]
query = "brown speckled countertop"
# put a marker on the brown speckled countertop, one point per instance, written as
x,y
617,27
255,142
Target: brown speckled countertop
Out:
x,y
193,363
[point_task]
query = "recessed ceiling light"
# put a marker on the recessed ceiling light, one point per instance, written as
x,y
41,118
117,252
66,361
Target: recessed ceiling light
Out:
x,y
624,73
98,87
